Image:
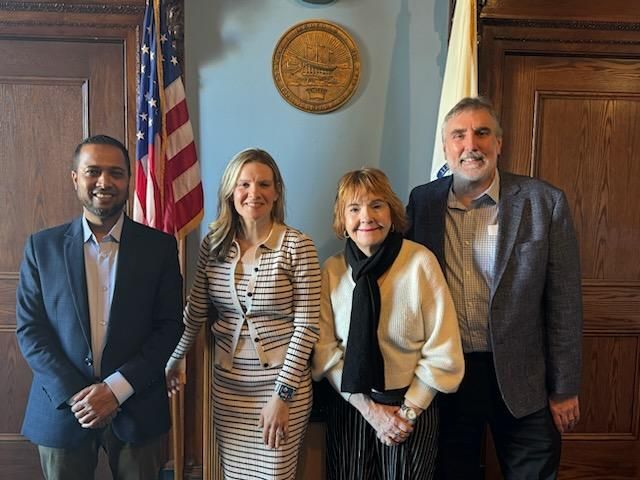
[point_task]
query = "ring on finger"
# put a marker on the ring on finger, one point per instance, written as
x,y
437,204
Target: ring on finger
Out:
x,y
280,434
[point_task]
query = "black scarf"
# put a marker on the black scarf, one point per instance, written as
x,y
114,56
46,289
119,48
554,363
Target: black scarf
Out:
x,y
363,362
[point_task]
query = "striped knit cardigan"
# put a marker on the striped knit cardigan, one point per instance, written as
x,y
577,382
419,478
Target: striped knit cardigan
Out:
x,y
283,304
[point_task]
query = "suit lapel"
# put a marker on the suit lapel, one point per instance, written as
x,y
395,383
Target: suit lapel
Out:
x,y
76,275
435,231
509,217
123,288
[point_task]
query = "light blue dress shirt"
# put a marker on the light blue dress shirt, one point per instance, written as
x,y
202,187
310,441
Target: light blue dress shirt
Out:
x,y
100,263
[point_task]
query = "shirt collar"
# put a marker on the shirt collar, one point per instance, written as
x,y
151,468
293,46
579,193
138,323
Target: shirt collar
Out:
x,y
276,237
114,234
493,192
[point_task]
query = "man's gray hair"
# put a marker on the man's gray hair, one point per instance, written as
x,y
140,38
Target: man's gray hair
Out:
x,y
473,103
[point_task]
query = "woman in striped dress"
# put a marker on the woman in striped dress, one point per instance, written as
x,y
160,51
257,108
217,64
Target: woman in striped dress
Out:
x,y
261,279
389,339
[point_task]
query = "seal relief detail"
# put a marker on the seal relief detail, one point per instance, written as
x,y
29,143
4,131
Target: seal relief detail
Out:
x,y
316,66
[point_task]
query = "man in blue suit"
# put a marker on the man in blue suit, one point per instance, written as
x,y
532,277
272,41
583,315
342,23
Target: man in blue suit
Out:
x,y
99,306
508,249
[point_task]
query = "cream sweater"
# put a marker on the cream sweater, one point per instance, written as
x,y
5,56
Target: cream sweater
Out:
x,y
418,330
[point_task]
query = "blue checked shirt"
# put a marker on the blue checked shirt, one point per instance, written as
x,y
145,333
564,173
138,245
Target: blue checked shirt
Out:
x,y
471,236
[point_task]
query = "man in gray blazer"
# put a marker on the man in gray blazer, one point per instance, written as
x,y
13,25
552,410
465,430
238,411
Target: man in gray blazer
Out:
x,y
99,307
508,248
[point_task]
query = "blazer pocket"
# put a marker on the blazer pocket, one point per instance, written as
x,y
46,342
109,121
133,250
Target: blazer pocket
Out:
x,y
530,246
534,251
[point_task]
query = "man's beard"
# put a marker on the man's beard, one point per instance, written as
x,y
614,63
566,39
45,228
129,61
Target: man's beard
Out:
x,y
104,213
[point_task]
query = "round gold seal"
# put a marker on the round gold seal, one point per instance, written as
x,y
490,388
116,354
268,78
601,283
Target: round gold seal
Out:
x,y
316,66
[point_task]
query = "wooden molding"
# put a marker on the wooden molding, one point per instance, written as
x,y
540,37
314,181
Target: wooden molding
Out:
x,y
570,24
588,41
65,7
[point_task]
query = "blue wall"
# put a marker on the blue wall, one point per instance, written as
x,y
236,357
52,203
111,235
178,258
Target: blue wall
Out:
x,y
389,122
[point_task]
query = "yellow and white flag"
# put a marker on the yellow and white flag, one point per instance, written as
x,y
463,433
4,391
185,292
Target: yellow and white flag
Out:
x,y
460,74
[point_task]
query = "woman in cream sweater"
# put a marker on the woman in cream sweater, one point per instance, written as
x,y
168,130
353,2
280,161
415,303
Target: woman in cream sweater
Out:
x,y
389,339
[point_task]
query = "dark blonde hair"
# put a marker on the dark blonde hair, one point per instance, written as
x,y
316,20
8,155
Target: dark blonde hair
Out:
x,y
227,224
357,183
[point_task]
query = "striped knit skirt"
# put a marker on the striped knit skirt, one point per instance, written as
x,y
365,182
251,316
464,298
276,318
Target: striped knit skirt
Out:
x,y
238,397
355,453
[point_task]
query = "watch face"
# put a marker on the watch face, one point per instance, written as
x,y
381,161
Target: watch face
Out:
x,y
409,413
285,392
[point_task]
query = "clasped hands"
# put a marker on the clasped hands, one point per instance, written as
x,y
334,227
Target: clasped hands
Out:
x,y
94,406
391,428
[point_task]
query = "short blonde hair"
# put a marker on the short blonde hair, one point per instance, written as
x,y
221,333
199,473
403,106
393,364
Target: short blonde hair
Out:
x,y
227,224
367,180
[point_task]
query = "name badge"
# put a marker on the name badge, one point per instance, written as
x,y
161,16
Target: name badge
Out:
x,y
492,230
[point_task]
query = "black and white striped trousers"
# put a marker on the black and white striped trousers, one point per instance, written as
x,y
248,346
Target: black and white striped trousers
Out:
x,y
355,453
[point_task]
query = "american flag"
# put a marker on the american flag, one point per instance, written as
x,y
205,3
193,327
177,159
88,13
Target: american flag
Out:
x,y
169,193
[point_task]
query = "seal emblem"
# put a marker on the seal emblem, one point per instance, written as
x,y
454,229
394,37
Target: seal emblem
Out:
x,y
316,66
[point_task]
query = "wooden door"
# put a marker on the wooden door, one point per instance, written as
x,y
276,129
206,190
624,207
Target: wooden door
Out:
x,y
61,79
570,106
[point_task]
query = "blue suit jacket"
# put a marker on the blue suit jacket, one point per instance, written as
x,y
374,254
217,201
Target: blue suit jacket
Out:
x,y
53,330
535,304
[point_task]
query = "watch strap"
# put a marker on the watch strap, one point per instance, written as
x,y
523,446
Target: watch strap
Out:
x,y
285,392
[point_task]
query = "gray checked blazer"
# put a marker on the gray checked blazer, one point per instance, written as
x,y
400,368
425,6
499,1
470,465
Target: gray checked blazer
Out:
x,y
535,304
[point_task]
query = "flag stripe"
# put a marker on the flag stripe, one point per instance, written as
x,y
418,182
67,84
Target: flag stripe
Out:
x,y
190,201
186,182
174,93
177,117
181,138
182,161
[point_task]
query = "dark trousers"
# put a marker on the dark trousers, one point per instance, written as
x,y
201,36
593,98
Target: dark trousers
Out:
x,y
527,447
127,461
355,453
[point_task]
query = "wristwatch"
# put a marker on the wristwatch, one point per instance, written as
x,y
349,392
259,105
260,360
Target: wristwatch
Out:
x,y
408,413
285,392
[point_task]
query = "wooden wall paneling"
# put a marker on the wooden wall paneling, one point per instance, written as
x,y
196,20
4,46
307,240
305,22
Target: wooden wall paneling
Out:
x,y
520,114
615,11
15,384
601,138
31,143
568,96
611,307
93,21
8,283
609,384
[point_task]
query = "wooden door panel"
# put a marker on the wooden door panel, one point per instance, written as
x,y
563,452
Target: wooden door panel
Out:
x,y
611,307
572,118
39,150
19,460
8,283
609,388
584,145
17,384
95,68
614,460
